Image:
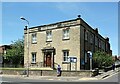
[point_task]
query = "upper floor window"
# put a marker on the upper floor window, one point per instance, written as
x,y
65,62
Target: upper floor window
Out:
x,y
106,45
99,43
86,35
34,38
65,55
91,38
66,34
103,45
34,57
96,41
48,35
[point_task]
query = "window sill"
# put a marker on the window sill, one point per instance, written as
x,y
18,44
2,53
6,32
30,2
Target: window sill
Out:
x,y
66,39
34,42
33,63
49,41
65,62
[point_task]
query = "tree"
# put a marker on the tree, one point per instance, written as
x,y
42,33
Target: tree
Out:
x,y
102,59
15,55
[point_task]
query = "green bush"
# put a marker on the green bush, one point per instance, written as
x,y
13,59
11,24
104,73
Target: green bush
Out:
x,y
101,59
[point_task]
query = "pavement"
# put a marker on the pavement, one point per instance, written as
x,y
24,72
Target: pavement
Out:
x,y
104,75
101,76
52,78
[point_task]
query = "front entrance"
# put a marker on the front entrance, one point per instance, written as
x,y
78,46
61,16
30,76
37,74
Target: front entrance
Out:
x,y
48,56
48,60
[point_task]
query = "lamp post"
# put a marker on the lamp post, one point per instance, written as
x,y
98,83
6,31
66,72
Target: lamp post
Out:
x,y
22,18
90,56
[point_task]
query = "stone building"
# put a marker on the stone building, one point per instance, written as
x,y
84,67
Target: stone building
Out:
x,y
65,43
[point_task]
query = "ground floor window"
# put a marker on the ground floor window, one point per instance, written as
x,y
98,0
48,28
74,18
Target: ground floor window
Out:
x,y
34,57
65,55
85,56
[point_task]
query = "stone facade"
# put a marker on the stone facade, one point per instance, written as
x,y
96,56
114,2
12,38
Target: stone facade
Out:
x,y
50,45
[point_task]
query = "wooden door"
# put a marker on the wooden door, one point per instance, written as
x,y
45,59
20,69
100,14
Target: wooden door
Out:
x,y
48,60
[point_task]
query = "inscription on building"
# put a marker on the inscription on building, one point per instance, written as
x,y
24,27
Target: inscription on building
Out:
x,y
53,26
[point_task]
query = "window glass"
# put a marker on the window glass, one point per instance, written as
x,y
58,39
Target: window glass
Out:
x,y
34,38
66,34
103,45
33,57
91,38
49,36
65,55
99,43
85,57
96,41
86,35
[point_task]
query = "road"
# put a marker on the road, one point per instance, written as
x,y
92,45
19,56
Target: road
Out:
x,y
112,78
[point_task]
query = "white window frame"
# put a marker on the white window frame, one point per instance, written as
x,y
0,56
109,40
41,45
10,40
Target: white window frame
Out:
x,y
66,33
48,35
65,55
34,38
33,57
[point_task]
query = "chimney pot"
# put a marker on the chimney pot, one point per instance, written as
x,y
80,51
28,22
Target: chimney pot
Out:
x,y
79,16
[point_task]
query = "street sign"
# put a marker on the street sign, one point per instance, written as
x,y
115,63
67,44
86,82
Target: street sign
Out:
x,y
72,59
90,54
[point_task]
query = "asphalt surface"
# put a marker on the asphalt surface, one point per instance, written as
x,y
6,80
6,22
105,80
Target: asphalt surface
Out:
x,y
110,77
6,78
43,79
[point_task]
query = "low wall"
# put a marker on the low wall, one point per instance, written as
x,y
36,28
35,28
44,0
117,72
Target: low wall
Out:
x,y
49,73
